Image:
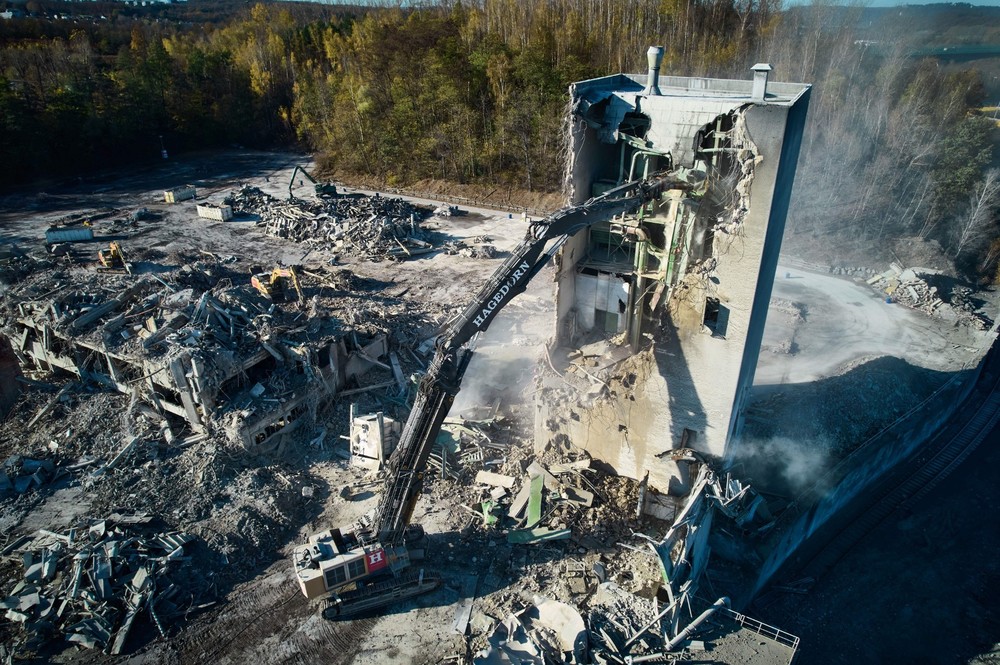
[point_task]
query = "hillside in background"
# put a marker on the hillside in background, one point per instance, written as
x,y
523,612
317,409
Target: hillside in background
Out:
x,y
897,152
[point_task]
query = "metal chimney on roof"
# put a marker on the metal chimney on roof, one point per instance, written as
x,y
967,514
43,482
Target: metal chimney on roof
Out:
x,y
655,56
760,71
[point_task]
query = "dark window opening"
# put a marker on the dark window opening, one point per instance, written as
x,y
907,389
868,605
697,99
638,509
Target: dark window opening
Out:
x,y
275,427
607,245
634,124
258,373
716,317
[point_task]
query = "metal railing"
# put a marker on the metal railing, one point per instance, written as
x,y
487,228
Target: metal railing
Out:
x,y
485,202
761,628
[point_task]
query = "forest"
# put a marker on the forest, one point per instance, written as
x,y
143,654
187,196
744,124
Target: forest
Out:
x,y
897,147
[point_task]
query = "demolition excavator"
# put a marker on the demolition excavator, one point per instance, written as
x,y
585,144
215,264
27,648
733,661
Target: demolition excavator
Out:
x,y
368,566
322,189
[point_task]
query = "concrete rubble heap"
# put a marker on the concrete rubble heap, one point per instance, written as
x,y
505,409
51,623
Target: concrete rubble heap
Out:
x,y
913,288
217,358
602,590
372,227
90,584
21,474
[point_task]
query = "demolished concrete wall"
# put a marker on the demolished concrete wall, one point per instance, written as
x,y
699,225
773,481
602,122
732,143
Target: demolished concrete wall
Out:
x,y
697,266
221,359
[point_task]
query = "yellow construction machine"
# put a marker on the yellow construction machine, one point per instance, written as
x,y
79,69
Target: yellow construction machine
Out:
x,y
113,259
278,285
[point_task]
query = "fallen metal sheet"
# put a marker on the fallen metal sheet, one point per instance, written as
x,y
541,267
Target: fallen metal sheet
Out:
x,y
535,501
464,610
537,535
510,645
520,501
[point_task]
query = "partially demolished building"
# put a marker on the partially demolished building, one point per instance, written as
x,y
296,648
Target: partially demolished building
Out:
x,y
223,360
660,314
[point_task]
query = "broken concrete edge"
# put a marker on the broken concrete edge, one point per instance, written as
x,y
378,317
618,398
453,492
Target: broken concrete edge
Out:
x,y
180,370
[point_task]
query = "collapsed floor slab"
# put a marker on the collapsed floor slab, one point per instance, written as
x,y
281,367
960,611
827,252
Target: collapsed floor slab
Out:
x,y
223,359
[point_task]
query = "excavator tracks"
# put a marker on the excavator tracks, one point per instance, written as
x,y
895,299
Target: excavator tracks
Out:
x,y
381,594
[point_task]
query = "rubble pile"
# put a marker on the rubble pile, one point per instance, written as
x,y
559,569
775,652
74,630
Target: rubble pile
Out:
x,y
606,568
90,584
219,356
480,247
21,474
863,272
239,510
15,264
617,619
507,490
912,288
546,632
373,227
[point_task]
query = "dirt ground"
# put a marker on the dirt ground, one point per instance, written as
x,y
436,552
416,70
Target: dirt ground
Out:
x,y
825,323
832,347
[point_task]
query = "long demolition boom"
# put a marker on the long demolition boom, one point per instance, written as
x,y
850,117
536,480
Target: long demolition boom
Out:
x,y
441,383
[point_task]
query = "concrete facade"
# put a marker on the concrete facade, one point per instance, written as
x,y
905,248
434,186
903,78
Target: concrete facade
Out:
x,y
685,283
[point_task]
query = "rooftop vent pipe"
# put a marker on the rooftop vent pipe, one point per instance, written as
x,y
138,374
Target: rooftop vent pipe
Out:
x,y
760,72
655,56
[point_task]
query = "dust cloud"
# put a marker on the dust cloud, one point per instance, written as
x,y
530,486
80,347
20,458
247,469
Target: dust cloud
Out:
x,y
782,464
505,360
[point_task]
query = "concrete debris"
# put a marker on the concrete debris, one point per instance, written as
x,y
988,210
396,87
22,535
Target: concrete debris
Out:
x,y
22,474
185,351
931,292
546,632
446,210
373,227
863,272
495,479
89,585
479,248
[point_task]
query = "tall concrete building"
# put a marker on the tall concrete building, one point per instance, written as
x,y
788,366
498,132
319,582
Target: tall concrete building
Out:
x,y
661,313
